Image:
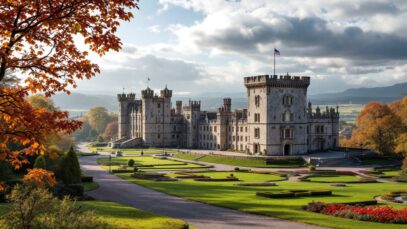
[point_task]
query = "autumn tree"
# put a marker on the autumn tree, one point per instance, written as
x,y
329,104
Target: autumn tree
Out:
x,y
98,118
38,40
377,128
111,130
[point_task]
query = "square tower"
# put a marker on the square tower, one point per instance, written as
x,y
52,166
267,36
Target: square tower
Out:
x,y
277,117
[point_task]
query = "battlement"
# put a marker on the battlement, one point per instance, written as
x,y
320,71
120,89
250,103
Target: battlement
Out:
x,y
277,81
147,93
194,104
126,97
166,93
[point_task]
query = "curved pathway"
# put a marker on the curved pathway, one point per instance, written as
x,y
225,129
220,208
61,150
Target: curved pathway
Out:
x,y
112,188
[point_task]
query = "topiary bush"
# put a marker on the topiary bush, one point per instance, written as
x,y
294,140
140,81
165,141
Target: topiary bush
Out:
x,y
70,171
130,162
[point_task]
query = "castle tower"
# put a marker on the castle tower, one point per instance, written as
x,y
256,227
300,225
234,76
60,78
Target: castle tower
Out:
x,y
178,107
192,114
125,100
277,114
227,104
166,93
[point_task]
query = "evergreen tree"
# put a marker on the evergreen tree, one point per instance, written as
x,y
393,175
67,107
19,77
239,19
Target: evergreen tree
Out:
x,y
40,163
70,168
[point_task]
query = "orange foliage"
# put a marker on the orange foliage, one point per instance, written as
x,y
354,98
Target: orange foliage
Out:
x,y
40,177
37,40
38,37
377,129
2,186
27,126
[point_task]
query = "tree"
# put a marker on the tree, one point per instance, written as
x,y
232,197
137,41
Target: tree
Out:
x,y
37,37
98,117
111,130
377,128
37,40
70,168
130,162
40,101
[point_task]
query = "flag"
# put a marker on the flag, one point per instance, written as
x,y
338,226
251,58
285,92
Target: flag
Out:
x,y
276,52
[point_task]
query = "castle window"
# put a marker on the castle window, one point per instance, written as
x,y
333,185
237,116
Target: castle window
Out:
x,y
214,128
245,138
257,100
256,132
287,133
245,129
233,138
241,129
287,100
241,138
188,116
256,117
158,136
158,105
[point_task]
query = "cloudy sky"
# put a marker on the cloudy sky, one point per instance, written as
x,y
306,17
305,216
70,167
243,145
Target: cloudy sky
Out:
x,y
198,46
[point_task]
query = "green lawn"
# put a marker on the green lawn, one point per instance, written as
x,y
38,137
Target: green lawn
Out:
x,y
240,161
244,198
158,164
89,186
334,178
124,217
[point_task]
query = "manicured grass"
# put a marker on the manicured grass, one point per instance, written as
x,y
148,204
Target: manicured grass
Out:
x,y
377,161
89,186
240,161
121,217
334,178
392,173
244,198
159,164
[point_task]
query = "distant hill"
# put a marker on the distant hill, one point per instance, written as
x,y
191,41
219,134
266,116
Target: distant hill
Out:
x,y
362,95
77,101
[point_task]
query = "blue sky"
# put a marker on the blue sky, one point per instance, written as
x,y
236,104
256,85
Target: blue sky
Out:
x,y
206,47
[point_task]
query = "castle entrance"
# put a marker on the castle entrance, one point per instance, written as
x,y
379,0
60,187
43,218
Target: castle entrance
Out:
x,y
287,149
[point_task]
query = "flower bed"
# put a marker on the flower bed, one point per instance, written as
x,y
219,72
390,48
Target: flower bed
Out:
x,y
379,214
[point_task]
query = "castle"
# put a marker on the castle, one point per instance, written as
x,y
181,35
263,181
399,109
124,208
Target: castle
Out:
x,y
278,120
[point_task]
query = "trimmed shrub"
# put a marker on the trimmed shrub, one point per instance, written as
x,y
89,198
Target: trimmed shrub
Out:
x,y
237,169
122,170
130,162
275,195
69,169
311,168
217,179
257,184
72,190
362,203
86,179
315,206
135,169
321,192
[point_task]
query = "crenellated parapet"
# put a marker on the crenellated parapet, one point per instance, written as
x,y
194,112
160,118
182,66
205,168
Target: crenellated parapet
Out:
x,y
277,81
147,93
166,93
195,105
126,97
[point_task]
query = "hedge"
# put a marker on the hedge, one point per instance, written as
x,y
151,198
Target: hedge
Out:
x,y
72,190
362,203
86,179
217,179
295,193
122,170
257,184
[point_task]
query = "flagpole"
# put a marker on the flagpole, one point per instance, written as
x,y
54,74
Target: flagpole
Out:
x,y
274,62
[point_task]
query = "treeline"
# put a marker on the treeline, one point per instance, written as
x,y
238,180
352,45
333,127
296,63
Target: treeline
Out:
x,y
381,128
98,125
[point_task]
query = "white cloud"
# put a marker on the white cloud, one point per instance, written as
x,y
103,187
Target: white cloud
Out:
x,y
154,28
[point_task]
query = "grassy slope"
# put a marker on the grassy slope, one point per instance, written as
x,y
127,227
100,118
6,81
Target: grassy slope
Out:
x,y
120,216
244,198
246,162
